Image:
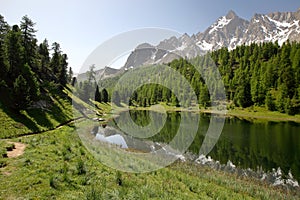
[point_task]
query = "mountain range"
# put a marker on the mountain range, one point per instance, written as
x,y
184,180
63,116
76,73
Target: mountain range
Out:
x,y
228,31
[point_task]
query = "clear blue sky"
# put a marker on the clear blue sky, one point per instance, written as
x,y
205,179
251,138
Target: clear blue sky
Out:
x,y
80,26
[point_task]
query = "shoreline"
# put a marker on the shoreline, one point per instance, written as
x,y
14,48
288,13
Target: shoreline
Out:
x,y
254,114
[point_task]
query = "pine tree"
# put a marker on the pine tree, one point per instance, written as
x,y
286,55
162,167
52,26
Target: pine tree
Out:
x,y
62,74
70,75
286,73
104,95
74,81
204,98
21,93
44,57
296,66
55,62
281,98
15,54
270,104
4,28
29,42
32,82
91,74
98,95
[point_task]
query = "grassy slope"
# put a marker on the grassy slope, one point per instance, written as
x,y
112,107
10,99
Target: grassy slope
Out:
x,y
36,120
56,165
259,113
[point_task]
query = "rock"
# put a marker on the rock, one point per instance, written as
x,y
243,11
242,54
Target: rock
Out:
x,y
203,160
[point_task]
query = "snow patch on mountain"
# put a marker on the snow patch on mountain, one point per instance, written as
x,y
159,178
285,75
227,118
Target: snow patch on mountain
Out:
x,y
223,21
280,24
228,31
204,45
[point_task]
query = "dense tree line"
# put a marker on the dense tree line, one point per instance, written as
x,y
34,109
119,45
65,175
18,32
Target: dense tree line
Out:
x,y
172,83
258,74
262,74
26,67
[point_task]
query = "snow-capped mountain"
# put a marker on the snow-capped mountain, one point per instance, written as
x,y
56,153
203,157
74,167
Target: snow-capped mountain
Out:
x,y
228,31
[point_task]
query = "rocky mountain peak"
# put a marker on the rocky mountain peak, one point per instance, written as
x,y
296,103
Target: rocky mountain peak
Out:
x,y
144,46
284,16
227,31
231,14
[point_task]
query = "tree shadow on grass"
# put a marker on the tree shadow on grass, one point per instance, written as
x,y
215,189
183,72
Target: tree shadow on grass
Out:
x,y
40,117
58,113
35,120
21,121
52,117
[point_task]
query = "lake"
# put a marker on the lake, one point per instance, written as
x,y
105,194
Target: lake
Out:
x,y
247,144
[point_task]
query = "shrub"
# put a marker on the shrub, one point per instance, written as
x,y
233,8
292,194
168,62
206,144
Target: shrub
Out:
x,y
53,182
80,167
119,178
2,163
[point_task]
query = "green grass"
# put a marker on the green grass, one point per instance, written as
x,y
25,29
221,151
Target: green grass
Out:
x,y
3,153
28,121
55,165
255,113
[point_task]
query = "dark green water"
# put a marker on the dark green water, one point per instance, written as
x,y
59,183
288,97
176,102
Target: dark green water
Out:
x,y
246,144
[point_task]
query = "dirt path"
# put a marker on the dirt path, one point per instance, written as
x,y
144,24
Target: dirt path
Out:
x,y
17,151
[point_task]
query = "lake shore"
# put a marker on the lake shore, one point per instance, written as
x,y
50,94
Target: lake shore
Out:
x,y
55,164
255,114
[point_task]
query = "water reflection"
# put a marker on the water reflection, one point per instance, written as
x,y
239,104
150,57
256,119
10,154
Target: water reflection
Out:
x,y
114,139
110,134
247,144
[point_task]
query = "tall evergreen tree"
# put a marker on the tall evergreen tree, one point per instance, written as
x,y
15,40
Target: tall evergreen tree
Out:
x,y
296,66
29,42
104,95
55,62
21,93
44,56
204,98
4,28
91,74
15,53
63,75
286,73
70,75
270,104
243,91
98,95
